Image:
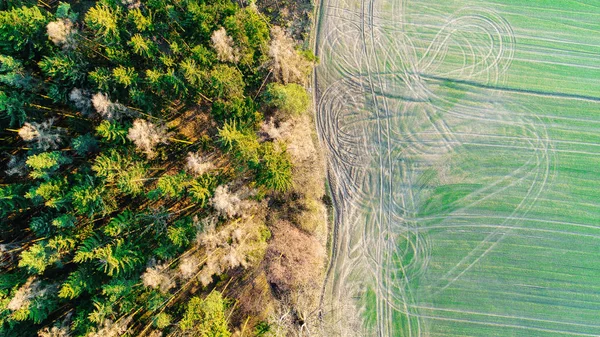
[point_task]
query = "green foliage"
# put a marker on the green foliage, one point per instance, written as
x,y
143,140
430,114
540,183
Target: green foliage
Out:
x,y
89,216
261,329
118,257
40,225
142,46
51,192
126,173
113,131
22,29
162,320
243,111
202,188
140,21
249,30
290,99
37,258
12,73
275,169
242,143
64,221
125,76
63,11
12,105
45,164
62,68
11,199
85,144
206,317
182,233
226,82
104,22
79,281
101,78
89,199
120,223
191,72
173,185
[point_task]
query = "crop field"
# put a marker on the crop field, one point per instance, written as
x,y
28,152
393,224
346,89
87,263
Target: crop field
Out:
x,y
463,139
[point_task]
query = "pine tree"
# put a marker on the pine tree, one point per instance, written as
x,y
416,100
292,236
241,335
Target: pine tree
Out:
x,y
105,22
12,105
275,169
62,68
22,29
142,46
290,99
12,73
173,185
206,317
244,144
43,165
113,131
90,199
126,76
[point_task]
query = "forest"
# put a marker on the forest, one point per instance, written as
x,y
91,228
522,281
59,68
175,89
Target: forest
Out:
x,y
160,172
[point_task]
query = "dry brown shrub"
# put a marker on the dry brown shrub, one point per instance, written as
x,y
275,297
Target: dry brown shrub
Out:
x,y
311,214
256,299
294,259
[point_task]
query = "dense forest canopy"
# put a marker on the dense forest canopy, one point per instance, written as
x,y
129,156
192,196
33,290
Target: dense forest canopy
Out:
x,y
159,175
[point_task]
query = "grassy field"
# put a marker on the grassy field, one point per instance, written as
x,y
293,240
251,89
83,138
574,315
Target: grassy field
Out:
x,y
464,151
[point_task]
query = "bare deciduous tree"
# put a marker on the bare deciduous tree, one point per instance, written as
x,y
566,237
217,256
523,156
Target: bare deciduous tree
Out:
x,y
31,289
227,203
158,277
197,164
188,267
106,108
43,134
61,33
287,65
146,136
113,329
223,45
81,99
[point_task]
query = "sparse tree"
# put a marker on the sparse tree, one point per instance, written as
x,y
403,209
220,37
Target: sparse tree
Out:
x,y
226,203
294,258
81,100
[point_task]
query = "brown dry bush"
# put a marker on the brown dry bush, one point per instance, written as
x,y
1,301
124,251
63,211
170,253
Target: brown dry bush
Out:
x,y
294,259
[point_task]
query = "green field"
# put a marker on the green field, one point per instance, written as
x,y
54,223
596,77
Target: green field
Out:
x,y
464,149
